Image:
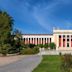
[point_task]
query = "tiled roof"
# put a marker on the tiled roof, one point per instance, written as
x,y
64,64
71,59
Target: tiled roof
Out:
x,y
37,34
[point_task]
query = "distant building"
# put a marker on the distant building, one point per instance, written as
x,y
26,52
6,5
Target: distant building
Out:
x,y
62,39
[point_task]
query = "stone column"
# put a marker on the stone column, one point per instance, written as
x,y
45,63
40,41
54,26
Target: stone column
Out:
x,y
42,40
57,42
33,40
36,41
66,41
39,40
28,40
70,41
62,41
46,40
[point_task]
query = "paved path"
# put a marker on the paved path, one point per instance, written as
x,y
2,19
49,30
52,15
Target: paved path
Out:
x,y
27,64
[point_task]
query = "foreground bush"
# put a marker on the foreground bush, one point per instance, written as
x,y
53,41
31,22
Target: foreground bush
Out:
x,y
4,49
52,45
41,45
35,50
46,46
31,45
29,51
66,63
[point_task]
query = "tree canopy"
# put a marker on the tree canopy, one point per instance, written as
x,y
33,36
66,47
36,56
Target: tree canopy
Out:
x,y
6,25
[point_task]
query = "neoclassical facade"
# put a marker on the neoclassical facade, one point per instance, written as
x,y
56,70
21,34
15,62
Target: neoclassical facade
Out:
x,y
62,39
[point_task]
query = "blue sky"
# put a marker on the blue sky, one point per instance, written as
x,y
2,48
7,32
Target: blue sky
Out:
x,y
39,16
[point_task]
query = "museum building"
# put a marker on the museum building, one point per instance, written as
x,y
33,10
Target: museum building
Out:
x,y
62,39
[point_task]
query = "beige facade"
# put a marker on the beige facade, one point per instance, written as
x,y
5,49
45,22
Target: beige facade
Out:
x,y
66,39
62,39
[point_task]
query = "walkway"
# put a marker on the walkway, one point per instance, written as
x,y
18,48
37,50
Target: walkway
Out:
x,y
27,64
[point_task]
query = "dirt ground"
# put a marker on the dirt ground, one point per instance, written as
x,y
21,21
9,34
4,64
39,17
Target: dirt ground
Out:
x,y
9,59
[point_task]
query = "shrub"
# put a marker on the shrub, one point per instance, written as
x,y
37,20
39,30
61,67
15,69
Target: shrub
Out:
x,y
26,51
41,45
31,45
46,46
34,50
52,46
66,63
4,49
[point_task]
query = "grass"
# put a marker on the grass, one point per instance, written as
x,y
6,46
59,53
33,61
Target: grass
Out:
x,y
49,64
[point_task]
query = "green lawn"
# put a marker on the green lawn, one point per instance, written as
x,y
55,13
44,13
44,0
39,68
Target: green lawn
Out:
x,y
49,64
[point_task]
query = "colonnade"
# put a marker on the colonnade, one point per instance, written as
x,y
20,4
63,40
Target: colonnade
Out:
x,y
37,40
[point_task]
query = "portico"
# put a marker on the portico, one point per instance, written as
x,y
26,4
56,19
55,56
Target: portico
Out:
x,y
63,39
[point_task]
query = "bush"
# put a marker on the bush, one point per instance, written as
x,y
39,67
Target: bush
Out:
x,y
4,49
46,46
41,45
66,63
34,50
52,45
13,50
26,51
31,45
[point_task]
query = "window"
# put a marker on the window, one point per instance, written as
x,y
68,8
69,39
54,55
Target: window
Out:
x,y
32,40
67,44
59,36
67,36
24,40
37,40
67,39
29,40
63,36
42,40
63,39
47,40
50,40
59,40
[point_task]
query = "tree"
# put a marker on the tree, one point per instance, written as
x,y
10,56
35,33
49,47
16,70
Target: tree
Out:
x,y
4,49
18,40
52,45
6,25
46,46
